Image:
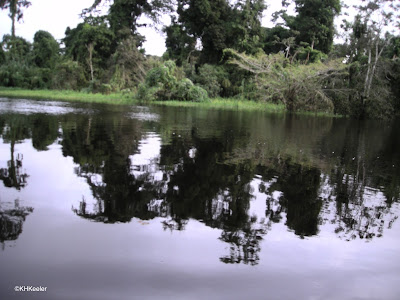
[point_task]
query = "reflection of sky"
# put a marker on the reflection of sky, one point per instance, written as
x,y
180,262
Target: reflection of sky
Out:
x,y
27,107
143,113
79,259
147,158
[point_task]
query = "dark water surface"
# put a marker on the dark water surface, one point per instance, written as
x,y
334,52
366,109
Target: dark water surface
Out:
x,y
107,202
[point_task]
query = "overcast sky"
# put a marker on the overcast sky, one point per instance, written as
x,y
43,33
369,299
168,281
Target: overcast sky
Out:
x,y
56,16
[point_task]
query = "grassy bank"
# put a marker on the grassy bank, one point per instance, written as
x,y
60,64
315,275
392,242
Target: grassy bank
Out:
x,y
231,104
115,98
126,99
118,98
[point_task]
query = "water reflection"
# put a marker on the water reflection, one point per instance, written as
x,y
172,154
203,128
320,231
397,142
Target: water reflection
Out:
x,y
13,132
239,175
11,221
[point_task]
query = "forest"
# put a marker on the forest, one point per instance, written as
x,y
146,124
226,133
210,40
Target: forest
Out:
x,y
220,49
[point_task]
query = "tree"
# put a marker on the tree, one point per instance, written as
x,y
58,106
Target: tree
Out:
x,y
217,25
124,14
314,22
374,18
69,75
277,39
220,24
300,87
15,10
91,43
16,70
15,48
45,49
180,45
208,21
128,66
248,32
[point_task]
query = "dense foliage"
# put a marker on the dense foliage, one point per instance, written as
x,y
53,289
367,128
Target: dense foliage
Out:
x,y
220,49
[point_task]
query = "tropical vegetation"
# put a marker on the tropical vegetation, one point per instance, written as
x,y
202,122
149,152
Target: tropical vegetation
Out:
x,y
220,49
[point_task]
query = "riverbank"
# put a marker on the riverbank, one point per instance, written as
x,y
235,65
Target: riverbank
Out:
x,y
66,95
127,99
231,104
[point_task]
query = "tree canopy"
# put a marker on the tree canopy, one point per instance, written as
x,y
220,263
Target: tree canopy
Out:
x,y
220,48
314,22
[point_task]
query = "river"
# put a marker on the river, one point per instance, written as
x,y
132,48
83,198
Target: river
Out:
x,y
137,202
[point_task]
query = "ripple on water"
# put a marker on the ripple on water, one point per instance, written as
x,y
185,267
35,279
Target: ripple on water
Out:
x,y
28,107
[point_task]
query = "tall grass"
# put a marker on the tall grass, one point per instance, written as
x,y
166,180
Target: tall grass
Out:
x,y
66,95
230,104
126,99
119,98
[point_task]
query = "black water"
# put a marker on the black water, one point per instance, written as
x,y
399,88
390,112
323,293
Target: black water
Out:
x,y
111,202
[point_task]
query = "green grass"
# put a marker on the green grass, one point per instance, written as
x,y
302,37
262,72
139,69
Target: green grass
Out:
x,y
114,98
126,99
119,98
230,104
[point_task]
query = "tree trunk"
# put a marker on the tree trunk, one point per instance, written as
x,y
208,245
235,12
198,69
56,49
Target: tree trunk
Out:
x,y
308,54
90,48
13,26
367,77
372,67
13,14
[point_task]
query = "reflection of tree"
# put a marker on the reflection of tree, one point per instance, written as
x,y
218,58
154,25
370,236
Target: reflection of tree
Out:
x,y
174,224
361,211
244,243
197,180
298,186
217,194
15,130
365,182
102,148
390,169
300,189
44,131
11,221
208,178
14,176
194,184
120,197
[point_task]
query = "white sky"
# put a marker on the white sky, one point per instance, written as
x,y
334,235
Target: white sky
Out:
x,y
49,15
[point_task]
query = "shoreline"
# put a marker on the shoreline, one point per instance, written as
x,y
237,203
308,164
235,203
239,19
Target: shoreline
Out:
x,y
127,99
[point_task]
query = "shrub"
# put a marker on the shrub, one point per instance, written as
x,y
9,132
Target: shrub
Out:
x,y
209,78
162,84
20,74
105,88
298,87
311,55
68,75
197,94
162,75
144,93
182,89
186,90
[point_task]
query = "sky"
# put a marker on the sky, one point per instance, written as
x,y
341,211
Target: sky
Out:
x,y
49,15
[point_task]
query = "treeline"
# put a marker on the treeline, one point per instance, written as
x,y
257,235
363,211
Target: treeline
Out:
x,y
220,49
